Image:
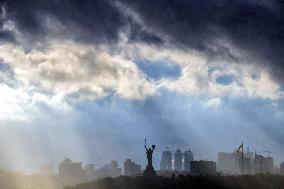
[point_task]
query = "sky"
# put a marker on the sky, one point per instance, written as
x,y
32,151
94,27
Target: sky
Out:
x,y
90,80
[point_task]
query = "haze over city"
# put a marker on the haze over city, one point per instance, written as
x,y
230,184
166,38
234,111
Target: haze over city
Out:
x,y
90,80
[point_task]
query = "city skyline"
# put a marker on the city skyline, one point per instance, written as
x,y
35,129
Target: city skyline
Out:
x,y
169,157
227,164
91,79
181,164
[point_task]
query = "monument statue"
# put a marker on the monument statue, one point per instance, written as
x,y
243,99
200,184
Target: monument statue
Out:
x,y
149,171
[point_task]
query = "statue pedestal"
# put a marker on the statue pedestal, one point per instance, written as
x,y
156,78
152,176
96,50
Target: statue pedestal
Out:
x,y
149,171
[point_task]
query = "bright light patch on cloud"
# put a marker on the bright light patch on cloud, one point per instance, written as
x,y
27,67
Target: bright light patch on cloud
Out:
x,y
214,103
77,71
67,68
12,104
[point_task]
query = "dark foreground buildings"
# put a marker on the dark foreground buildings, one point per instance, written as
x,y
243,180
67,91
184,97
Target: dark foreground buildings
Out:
x,y
188,181
72,172
131,168
282,168
188,158
178,160
166,161
203,167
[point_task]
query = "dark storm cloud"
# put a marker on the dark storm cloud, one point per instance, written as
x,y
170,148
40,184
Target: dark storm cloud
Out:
x,y
6,36
254,26
86,21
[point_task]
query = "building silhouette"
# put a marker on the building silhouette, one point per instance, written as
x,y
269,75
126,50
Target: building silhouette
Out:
x,y
178,160
46,170
262,164
109,170
203,167
166,161
70,169
248,162
251,163
71,172
282,168
226,162
232,163
188,157
131,168
64,167
90,171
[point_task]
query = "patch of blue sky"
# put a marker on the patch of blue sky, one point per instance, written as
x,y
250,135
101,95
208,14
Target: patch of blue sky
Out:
x,y
113,127
226,79
7,75
176,120
159,69
255,76
4,67
212,69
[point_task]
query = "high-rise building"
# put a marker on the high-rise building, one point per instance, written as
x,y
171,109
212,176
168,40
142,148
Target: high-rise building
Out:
x,y
46,170
203,167
131,168
262,164
67,168
231,163
188,157
64,167
178,160
282,168
226,163
268,164
166,161
109,170
71,172
90,171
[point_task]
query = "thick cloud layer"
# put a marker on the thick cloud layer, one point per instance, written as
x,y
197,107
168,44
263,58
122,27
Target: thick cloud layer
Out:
x,y
254,26
83,19
93,49
87,21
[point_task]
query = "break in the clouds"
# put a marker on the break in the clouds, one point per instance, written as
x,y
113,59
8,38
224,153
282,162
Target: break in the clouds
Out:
x,y
57,57
254,26
74,47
